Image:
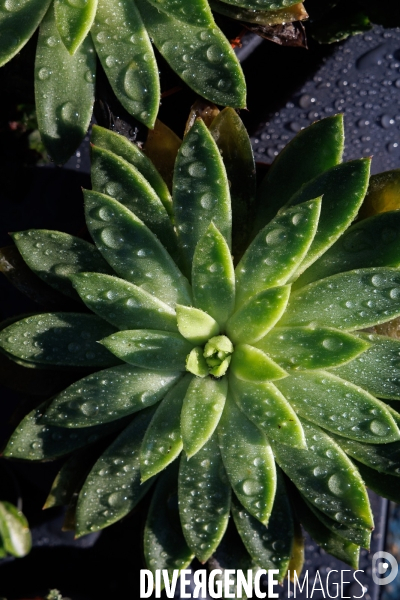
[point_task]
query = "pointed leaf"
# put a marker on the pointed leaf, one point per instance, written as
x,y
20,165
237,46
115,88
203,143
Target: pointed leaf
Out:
x,y
384,485
74,21
195,325
213,277
64,90
150,349
109,395
54,256
258,315
113,488
161,147
124,48
204,515
65,339
248,460
201,412
308,348
196,363
326,477
339,406
314,150
274,255
251,364
115,177
119,145
297,559
264,404
296,12
382,195
263,4
348,301
199,13
14,530
133,250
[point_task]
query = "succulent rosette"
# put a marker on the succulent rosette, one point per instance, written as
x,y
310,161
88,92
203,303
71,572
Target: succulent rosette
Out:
x,y
236,374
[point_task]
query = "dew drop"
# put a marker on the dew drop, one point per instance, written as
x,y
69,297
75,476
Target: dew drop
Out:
x,y
378,427
112,238
276,236
197,169
69,113
251,487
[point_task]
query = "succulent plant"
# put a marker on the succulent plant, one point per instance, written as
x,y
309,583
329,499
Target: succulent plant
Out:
x,y
15,537
209,378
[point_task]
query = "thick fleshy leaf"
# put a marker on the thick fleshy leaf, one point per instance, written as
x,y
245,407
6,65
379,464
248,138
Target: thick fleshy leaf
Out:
x,y
74,20
384,485
109,395
213,277
264,404
278,249
339,406
263,4
296,12
298,552
382,195
343,189
326,477
133,250
309,348
199,174
162,442
372,242
376,370
195,325
121,146
124,48
164,544
18,25
150,349
311,152
123,304
34,439
196,363
248,460
64,90
113,488
201,55
202,407
115,177
199,13
269,546
258,315
204,516
348,301
14,530
64,339
54,256
251,364
161,148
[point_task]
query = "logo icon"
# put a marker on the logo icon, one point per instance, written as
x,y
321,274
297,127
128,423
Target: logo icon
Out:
x,y
387,565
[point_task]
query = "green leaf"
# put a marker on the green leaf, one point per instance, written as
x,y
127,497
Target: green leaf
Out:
x,y
267,408
339,406
14,530
376,370
278,249
162,442
201,411
248,460
109,395
382,194
195,325
150,349
213,277
343,189
125,51
54,256
347,301
133,250
115,177
269,546
384,485
74,20
204,515
308,348
113,488
314,150
234,144
34,439
123,304
327,478
18,25
196,363
164,544
119,145
371,242
253,365
65,339
263,4
64,90
296,12
200,55
258,315
200,174
198,14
